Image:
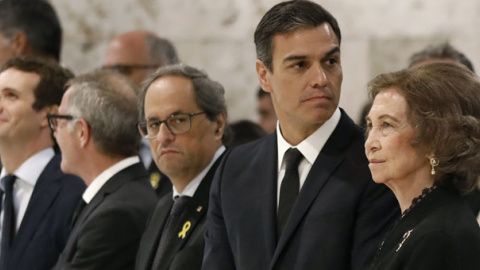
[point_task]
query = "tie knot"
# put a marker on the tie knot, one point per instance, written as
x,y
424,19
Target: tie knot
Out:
x,y
8,181
179,204
292,158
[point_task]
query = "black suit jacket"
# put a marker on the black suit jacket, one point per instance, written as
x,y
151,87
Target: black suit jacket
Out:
x,y
47,222
444,235
183,253
336,223
107,232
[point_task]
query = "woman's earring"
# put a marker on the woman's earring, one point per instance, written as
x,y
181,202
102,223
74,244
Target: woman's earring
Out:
x,y
434,162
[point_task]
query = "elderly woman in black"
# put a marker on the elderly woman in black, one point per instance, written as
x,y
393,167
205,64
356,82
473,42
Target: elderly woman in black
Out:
x,y
424,144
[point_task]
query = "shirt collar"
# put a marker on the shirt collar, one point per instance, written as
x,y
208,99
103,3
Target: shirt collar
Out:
x,y
106,175
190,189
313,144
31,168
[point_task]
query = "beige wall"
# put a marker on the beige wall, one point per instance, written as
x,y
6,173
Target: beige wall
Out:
x,y
217,36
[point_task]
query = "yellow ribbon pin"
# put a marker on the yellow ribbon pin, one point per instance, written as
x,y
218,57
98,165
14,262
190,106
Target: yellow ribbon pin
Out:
x,y
185,229
155,179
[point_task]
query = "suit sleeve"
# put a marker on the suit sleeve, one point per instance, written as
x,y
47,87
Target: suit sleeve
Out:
x,y
218,253
108,241
378,209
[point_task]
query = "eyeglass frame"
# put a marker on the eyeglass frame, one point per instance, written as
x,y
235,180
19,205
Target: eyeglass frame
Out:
x,y
159,122
50,118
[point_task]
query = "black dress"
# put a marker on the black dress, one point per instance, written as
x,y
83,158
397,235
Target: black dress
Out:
x,y
439,232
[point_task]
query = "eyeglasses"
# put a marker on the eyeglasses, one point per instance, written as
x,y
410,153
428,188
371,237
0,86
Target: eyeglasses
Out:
x,y
128,69
52,120
177,124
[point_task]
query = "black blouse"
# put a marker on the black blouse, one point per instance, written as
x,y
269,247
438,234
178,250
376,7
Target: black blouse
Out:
x,y
439,232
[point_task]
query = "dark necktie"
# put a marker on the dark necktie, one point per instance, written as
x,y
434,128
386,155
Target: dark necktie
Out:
x,y
289,188
8,225
169,231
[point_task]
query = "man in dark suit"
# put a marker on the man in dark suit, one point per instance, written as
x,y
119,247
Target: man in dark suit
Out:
x,y
137,54
303,197
185,122
95,129
37,199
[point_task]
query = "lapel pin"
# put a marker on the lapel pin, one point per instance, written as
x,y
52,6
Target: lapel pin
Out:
x,y
185,229
155,179
199,209
405,236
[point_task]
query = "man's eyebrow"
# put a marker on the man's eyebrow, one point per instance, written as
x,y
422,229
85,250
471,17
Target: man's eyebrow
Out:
x,y
294,58
334,50
297,57
170,115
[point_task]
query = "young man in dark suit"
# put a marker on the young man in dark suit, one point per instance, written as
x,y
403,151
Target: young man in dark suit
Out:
x,y
95,129
303,197
185,122
37,199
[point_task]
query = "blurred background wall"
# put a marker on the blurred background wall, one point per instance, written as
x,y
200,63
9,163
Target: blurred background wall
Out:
x,y
217,35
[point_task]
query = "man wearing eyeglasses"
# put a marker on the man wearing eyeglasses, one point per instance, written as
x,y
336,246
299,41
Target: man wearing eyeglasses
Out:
x,y
95,129
37,200
185,122
137,54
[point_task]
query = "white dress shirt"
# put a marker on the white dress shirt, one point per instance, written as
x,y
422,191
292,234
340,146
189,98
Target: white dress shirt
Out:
x,y
106,175
190,189
310,148
27,175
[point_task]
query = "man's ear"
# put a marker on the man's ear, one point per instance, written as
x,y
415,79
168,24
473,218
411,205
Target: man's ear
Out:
x,y
19,43
84,132
220,122
263,75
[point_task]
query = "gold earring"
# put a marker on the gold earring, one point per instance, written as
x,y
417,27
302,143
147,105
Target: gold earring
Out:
x,y
434,162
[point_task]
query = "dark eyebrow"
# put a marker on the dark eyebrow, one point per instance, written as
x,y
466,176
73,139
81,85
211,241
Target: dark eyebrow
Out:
x,y
334,50
177,112
294,58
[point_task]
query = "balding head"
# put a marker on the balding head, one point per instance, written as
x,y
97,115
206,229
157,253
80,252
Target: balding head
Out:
x,y
138,53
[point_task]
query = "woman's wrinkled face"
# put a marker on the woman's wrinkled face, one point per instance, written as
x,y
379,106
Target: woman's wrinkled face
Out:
x,y
388,146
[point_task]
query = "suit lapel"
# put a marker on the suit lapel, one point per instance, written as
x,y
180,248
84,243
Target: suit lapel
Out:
x,y
330,157
195,211
267,173
44,194
154,232
110,186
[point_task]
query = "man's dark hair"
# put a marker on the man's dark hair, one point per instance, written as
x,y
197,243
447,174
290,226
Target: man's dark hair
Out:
x,y
161,51
441,51
245,131
53,77
286,17
38,20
